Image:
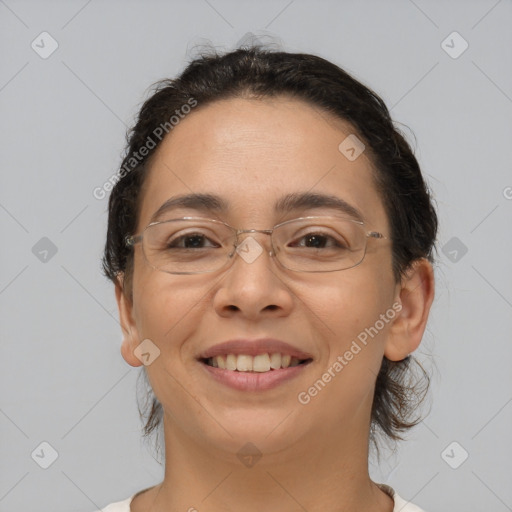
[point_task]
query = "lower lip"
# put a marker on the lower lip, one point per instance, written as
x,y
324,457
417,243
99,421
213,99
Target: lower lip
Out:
x,y
254,381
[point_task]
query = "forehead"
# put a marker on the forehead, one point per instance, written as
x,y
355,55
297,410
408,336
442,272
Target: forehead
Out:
x,y
253,152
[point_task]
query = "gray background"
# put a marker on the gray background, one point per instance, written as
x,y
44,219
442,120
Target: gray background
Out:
x,y
63,121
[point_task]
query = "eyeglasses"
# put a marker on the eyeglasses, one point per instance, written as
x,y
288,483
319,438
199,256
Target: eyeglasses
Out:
x,y
195,245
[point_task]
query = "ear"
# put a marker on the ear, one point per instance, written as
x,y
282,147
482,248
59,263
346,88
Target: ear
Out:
x,y
130,333
415,294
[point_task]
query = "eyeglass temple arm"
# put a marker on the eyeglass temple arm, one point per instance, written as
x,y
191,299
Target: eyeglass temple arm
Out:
x,y
131,240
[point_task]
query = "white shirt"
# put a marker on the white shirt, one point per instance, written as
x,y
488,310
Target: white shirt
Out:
x,y
400,504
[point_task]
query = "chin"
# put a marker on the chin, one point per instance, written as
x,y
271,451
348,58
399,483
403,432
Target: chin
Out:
x,y
268,432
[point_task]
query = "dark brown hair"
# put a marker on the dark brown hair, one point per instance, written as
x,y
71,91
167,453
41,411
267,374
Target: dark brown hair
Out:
x,y
258,73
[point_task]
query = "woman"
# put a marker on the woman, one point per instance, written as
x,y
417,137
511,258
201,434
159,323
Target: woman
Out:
x,y
270,240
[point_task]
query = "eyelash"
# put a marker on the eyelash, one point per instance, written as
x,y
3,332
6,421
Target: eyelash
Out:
x,y
173,243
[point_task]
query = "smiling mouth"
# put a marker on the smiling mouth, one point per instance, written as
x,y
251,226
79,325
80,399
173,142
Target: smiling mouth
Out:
x,y
254,364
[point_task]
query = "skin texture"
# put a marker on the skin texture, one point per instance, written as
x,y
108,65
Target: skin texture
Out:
x,y
252,152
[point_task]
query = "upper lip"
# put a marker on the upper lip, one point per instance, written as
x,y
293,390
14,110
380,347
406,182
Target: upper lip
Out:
x,y
254,348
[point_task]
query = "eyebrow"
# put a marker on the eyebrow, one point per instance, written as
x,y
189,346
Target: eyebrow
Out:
x,y
208,203
202,202
312,200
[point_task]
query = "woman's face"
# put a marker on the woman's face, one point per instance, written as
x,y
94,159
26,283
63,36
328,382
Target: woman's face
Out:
x,y
251,154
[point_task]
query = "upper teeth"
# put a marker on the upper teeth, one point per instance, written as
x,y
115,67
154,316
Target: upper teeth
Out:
x,y
259,363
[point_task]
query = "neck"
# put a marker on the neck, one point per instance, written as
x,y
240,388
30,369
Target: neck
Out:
x,y
312,475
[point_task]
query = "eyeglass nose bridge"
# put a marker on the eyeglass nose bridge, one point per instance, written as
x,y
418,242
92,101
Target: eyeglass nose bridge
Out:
x,y
266,231
239,232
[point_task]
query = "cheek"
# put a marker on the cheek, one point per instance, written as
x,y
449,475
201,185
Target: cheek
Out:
x,y
356,310
165,310
168,315
353,333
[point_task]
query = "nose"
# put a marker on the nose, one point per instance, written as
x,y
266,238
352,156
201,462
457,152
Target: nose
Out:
x,y
253,287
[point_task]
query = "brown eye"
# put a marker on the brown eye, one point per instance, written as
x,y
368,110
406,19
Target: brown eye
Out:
x,y
191,241
319,241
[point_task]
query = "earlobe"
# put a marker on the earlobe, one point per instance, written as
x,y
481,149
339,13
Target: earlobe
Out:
x,y
130,333
416,294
